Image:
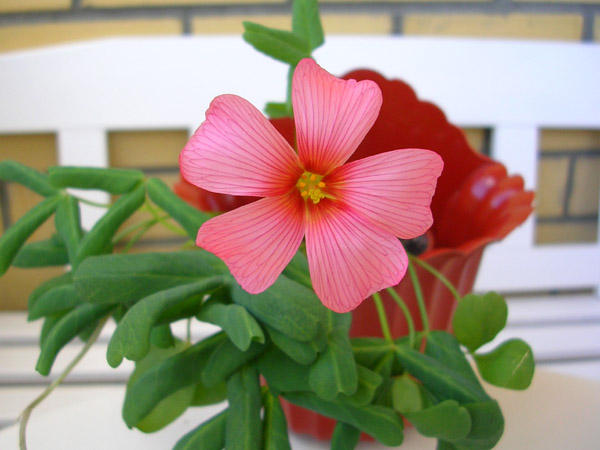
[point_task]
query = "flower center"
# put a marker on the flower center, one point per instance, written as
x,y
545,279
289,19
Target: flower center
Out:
x,y
311,187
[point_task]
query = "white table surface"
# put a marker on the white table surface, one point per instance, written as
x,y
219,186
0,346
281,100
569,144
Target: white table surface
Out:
x,y
556,412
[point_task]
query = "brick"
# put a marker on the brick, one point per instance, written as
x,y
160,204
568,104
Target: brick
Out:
x,y
477,138
406,1
146,149
233,24
332,23
130,3
569,140
8,6
533,26
39,152
597,27
556,1
17,284
586,186
552,184
16,37
566,233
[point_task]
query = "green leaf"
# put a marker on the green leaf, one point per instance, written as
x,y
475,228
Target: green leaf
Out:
x,y
444,347
68,225
306,23
368,383
174,373
274,430
369,352
510,365
68,327
204,396
406,394
171,406
286,306
297,270
51,252
301,352
243,430
131,339
59,299
487,426
227,359
380,422
48,325
99,237
279,44
283,373
161,336
335,371
239,325
186,215
479,318
345,437
28,177
14,238
47,286
277,110
209,435
114,181
446,420
438,378
128,278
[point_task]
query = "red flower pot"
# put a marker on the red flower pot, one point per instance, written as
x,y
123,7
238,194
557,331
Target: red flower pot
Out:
x,y
475,203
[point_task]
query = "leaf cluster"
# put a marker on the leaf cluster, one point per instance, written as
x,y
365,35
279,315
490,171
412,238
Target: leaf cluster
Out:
x,y
283,336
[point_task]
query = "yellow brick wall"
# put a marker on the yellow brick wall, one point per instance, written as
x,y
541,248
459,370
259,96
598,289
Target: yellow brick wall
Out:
x,y
566,27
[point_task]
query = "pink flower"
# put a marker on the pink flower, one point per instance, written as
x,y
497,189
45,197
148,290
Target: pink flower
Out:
x,y
351,214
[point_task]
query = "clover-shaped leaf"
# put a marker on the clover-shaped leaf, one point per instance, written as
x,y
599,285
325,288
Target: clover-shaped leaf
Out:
x,y
479,318
510,365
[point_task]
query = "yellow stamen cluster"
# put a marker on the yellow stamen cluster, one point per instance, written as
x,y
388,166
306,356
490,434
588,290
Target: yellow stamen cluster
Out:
x,y
310,185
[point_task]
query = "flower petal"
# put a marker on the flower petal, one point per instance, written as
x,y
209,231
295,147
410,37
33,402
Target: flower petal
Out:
x,y
349,257
237,151
393,189
257,240
332,116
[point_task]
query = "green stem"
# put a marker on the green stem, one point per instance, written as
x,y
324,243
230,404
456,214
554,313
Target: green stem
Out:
x,y
163,220
407,315
436,274
419,294
385,328
90,202
24,417
145,225
138,236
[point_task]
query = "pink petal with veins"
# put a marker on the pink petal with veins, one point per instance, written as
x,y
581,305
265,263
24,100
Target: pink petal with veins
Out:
x,y
332,116
237,151
349,257
257,240
393,189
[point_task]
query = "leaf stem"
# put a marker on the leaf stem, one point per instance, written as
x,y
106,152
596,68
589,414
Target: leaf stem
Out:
x,y
24,416
385,327
419,295
436,274
163,220
407,315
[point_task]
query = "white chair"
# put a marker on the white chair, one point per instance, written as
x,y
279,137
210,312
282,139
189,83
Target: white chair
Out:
x,y
83,90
